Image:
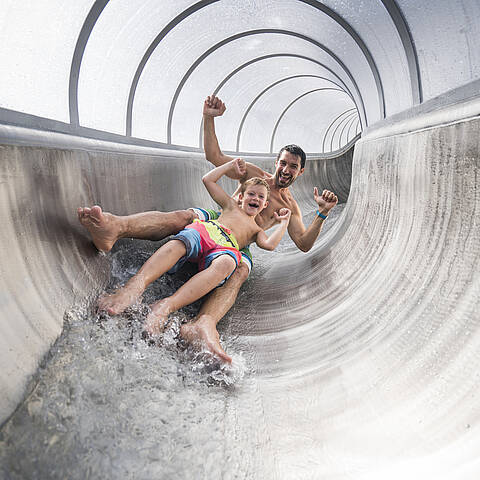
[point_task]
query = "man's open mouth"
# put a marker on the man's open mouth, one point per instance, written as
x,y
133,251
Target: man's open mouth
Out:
x,y
284,178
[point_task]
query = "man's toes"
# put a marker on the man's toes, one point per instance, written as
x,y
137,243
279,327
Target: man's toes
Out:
x,y
84,214
81,213
95,211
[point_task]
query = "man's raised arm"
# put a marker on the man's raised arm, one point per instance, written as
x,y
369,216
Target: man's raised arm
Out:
x,y
214,107
303,237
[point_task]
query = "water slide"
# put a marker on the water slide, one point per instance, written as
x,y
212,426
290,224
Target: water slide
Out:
x,y
356,360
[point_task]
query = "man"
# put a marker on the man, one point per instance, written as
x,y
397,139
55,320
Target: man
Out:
x,y
106,228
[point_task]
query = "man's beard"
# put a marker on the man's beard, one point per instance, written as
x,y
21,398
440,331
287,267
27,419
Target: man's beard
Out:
x,y
283,184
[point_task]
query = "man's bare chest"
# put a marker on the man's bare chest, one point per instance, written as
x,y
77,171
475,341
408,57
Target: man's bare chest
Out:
x,y
266,219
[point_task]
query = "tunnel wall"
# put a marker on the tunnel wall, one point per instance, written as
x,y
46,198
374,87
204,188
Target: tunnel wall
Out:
x,y
372,335
405,252
48,262
369,348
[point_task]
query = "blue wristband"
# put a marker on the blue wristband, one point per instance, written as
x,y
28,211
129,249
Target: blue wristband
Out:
x,y
321,215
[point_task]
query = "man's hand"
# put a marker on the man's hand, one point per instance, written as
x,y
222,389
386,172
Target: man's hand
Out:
x,y
282,215
326,201
240,166
213,106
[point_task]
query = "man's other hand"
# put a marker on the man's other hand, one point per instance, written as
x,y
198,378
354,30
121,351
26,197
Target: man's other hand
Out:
x,y
326,201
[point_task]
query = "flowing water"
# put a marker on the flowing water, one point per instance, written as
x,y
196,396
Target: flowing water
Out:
x,y
106,403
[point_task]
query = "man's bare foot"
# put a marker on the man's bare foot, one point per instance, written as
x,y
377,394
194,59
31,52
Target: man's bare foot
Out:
x,y
104,227
117,302
157,318
203,333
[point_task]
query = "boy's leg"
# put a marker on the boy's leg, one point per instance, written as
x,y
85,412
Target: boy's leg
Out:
x,y
203,329
106,228
159,263
196,287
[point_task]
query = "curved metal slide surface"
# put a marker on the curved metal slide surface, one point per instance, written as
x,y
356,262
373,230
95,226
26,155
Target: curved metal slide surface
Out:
x,y
360,358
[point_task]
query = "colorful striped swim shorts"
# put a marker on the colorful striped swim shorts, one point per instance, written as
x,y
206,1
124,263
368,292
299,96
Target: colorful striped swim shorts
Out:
x,y
210,214
205,241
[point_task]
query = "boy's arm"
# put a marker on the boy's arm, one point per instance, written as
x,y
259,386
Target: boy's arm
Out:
x,y
303,237
270,242
236,167
214,107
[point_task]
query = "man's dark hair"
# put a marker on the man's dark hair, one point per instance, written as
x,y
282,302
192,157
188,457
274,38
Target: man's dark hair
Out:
x,y
294,150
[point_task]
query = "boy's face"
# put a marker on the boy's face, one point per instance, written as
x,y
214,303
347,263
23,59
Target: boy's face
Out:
x,y
287,169
254,199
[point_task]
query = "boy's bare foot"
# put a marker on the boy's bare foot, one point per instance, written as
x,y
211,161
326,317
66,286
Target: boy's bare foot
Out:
x,y
157,318
117,302
104,227
203,333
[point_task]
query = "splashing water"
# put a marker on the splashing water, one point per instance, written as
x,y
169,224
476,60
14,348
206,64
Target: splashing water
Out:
x,y
105,403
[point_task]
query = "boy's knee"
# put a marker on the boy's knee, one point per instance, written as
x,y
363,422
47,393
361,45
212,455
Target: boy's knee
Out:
x,y
240,274
225,265
174,247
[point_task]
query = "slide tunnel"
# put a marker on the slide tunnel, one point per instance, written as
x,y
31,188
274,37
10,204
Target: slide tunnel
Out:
x,y
356,360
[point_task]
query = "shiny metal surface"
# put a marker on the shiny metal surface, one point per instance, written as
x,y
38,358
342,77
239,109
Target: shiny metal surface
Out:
x,y
365,350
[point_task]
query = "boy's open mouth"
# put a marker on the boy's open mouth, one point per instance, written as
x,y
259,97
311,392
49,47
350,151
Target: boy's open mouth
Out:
x,y
253,204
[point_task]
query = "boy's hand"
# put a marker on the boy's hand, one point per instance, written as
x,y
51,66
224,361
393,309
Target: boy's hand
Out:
x,y
213,106
240,166
283,215
326,201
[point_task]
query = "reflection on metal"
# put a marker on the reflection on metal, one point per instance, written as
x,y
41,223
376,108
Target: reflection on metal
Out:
x,y
356,37
254,101
247,34
409,46
265,57
172,24
342,122
82,40
290,105
331,125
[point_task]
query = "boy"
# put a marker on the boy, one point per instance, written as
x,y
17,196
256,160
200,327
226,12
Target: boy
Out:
x,y
214,244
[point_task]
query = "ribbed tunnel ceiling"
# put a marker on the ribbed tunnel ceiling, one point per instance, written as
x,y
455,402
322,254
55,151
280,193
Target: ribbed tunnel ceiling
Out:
x,y
359,359
316,73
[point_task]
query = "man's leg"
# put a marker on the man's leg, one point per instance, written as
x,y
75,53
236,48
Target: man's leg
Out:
x,y
203,330
192,290
106,228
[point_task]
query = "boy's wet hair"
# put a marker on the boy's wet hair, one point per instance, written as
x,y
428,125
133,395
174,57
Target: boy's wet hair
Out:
x,y
294,150
255,181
